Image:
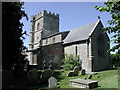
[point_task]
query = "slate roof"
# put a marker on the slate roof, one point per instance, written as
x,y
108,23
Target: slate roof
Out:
x,y
81,33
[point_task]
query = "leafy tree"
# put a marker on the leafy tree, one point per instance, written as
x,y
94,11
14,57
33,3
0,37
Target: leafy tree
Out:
x,y
12,32
116,59
114,24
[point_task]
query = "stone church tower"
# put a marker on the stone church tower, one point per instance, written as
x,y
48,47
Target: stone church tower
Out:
x,y
42,25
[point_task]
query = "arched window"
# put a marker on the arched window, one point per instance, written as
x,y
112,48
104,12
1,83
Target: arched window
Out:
x,y
101,46
38,26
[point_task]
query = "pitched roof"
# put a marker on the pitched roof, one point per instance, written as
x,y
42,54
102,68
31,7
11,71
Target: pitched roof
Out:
x,y
81,33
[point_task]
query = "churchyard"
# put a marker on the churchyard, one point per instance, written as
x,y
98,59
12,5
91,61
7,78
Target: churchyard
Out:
x,y
70,75
40,79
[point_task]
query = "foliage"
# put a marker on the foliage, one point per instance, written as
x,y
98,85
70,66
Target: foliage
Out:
x,y
12,12
70,61
116,59
114,24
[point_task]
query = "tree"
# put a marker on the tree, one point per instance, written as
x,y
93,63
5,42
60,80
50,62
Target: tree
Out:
x,y
12,40
116,59
114,24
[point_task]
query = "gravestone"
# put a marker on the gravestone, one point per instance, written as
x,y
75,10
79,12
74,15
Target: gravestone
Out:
x,y
33,75
90,77
74,72
83,72
52,82
45,76
98,76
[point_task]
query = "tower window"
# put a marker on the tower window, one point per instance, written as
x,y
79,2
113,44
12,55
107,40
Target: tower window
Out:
x,y
53,40
76,49
37,38
38,26
46,41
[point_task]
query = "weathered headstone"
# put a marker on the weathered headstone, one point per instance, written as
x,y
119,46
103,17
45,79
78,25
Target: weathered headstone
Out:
x,y
52,82
70,74
90,76
83,72
33,75
98,76
74,72
45,76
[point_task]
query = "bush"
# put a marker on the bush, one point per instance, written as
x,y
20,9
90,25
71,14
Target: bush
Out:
x,y
70,61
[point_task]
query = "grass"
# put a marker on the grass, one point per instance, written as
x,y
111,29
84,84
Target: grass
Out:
x,y
107,79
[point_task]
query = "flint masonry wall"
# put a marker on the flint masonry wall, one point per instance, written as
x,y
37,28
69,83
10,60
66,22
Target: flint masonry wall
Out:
x,y
99,47
80,49
52,49
52,52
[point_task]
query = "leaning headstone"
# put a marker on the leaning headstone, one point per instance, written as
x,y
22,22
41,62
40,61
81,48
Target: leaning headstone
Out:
x,y
90,76
52,82
70,74
76,70
83,72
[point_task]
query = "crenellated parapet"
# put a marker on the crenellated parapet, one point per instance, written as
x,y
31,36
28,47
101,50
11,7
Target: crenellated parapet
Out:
x,y
43,14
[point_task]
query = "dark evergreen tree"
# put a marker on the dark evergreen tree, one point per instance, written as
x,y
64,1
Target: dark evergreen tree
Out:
x,y
12,34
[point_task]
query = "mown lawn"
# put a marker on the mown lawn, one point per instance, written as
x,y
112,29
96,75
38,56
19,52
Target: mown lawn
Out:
x,y
107,79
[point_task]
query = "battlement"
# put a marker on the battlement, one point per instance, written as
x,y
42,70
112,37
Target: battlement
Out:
x,y
44,13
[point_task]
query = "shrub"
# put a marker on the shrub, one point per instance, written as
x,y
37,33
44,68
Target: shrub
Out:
x,y
70,61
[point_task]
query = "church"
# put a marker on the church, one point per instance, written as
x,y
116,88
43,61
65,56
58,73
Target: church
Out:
x,y
89,42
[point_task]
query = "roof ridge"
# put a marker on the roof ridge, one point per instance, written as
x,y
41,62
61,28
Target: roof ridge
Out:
x,y
94,27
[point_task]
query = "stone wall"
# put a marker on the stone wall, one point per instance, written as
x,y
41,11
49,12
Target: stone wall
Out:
x,y
80,49
50,52
99,47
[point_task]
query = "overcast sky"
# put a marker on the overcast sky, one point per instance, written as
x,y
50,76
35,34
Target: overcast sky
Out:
x,y
72,14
